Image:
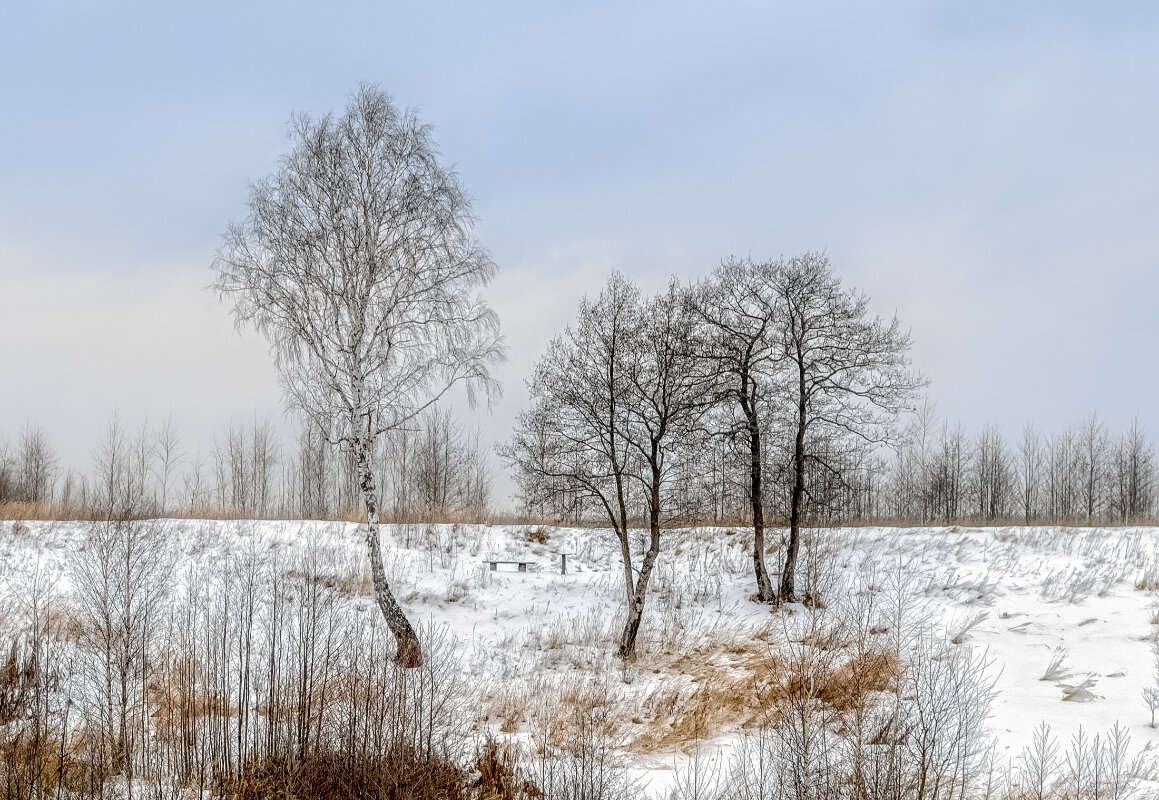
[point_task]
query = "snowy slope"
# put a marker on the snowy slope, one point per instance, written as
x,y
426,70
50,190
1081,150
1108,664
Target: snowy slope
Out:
x,y
528,641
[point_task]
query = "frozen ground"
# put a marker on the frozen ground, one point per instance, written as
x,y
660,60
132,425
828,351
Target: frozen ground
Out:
x,y
1021,597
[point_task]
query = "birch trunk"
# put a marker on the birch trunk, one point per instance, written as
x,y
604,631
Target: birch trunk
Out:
x,y
408,652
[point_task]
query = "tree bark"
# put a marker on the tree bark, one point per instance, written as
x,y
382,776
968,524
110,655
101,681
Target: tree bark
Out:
x,y
765,593
788,592
627,648
408,653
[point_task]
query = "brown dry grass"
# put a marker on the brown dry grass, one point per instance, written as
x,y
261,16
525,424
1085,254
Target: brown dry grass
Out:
x,y
17,678
712,692
536,535
846,688
42,512
498,767
354,582
48,767
174,700
707,692
401,775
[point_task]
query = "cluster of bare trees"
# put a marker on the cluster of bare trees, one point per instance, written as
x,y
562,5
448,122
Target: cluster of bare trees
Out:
x,y
244,677
775,366
432,469
935,473
1082,475
28,468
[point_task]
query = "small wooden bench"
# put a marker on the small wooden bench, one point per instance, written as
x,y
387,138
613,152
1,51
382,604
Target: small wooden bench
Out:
x,y
495,562
522,565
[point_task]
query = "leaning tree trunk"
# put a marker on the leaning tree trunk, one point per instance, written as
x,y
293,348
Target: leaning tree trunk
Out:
x,y
627,648
408,652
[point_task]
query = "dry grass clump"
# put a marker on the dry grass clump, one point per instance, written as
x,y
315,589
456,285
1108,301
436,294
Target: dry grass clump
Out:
x,y
510,704
500,774
402,775
536,535
176,700
48,767
1148,582
741,685
353,582
45,512
847,687
18,677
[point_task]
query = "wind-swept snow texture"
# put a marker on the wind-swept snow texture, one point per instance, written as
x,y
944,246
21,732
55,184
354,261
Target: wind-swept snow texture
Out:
x,y
1066,617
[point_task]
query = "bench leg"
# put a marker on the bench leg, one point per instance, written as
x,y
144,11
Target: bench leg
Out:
x,y
493,566
522,567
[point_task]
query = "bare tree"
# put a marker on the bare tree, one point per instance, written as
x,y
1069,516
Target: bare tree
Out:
x,y
742,307
1061,477
121,579
36,465
666,391
8,489
994,475
570,443
167,450
358,262
913,466
845,371
263,460
314,462
1134,475
1030,469
1092,456
194,483
614,401
110,465
439,462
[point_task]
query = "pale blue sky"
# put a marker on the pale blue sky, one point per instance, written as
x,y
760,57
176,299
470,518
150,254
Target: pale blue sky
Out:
x,y
989,171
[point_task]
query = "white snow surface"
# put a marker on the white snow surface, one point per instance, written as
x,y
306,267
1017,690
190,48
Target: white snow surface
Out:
x,y
1016,594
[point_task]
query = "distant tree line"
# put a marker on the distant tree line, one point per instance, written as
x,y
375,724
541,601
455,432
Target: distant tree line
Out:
x,y
937,473
432,469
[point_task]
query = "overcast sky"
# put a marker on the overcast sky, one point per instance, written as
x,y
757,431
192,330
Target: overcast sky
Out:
x,y
989,171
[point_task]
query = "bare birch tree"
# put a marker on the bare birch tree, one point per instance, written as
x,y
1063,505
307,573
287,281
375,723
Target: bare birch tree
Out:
x,y
358,261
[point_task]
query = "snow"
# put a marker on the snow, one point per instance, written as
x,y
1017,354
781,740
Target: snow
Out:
x,y
1016,595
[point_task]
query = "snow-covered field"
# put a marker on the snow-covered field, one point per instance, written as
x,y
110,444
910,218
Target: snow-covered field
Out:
x,y
1020,598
